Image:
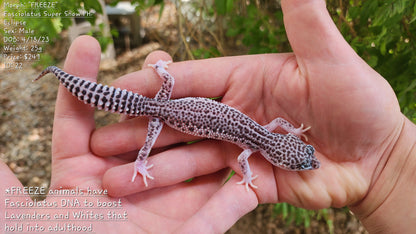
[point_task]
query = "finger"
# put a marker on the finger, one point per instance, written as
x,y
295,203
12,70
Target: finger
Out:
x,y
74,120
156,56
9,186
202,78
194,193
152,58
10,189
312,33
224,208
130,135
172,167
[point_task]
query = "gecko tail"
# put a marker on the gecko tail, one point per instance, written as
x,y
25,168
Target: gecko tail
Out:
x,y
50,69
104,97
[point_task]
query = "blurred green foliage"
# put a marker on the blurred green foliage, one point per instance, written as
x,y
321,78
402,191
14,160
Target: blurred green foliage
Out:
x,y
383,32
298,216
260,31
143,4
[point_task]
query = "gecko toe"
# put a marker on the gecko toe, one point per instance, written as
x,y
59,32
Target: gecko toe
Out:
x,y
248,181
141,168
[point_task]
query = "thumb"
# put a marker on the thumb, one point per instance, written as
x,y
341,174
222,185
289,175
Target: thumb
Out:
x,y
8,187
312,33
8,178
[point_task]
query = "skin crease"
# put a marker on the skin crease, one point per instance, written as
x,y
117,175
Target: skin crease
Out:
x,y
365,145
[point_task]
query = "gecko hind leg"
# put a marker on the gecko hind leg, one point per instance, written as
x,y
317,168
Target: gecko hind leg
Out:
x,y
245,168
287,126
155,124
140,165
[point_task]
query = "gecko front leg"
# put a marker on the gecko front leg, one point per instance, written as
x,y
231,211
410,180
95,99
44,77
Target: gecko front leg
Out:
x,y
155,124
280,122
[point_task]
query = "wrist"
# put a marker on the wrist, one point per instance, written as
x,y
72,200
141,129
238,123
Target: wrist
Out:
x,y
389,205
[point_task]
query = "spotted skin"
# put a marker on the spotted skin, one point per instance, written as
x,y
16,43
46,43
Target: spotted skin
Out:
x,y
197,116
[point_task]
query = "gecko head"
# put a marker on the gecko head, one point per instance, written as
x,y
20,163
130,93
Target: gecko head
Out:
x,y
303,159
310,162
292,154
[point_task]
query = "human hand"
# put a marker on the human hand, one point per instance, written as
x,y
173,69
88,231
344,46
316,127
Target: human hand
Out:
x,y
75,167
354,114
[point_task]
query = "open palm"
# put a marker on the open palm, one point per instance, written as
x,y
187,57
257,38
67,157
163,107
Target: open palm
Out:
x,y
353,112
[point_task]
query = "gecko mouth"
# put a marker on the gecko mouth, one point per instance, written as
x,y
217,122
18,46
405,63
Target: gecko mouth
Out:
x,y
302,167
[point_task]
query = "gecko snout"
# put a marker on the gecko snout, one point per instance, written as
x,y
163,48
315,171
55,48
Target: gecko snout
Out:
x,y
312,161
309,162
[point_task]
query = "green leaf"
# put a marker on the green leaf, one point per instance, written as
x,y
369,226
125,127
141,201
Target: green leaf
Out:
x,y
372,61
229,5
221,7
93,4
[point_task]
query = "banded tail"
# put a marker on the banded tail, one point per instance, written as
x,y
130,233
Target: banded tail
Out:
x,y
104,97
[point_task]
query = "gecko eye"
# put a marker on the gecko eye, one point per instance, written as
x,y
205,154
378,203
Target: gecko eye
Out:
x,y
312,162
309,150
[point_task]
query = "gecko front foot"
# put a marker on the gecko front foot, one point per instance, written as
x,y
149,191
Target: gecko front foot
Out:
x,y
300,130
141,167
280,122
248,180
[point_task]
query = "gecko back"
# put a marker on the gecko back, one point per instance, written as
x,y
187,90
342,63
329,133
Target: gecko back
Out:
x,y
201,117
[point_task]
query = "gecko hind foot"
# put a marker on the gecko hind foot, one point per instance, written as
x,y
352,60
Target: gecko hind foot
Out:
x,y
248,181
141,168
